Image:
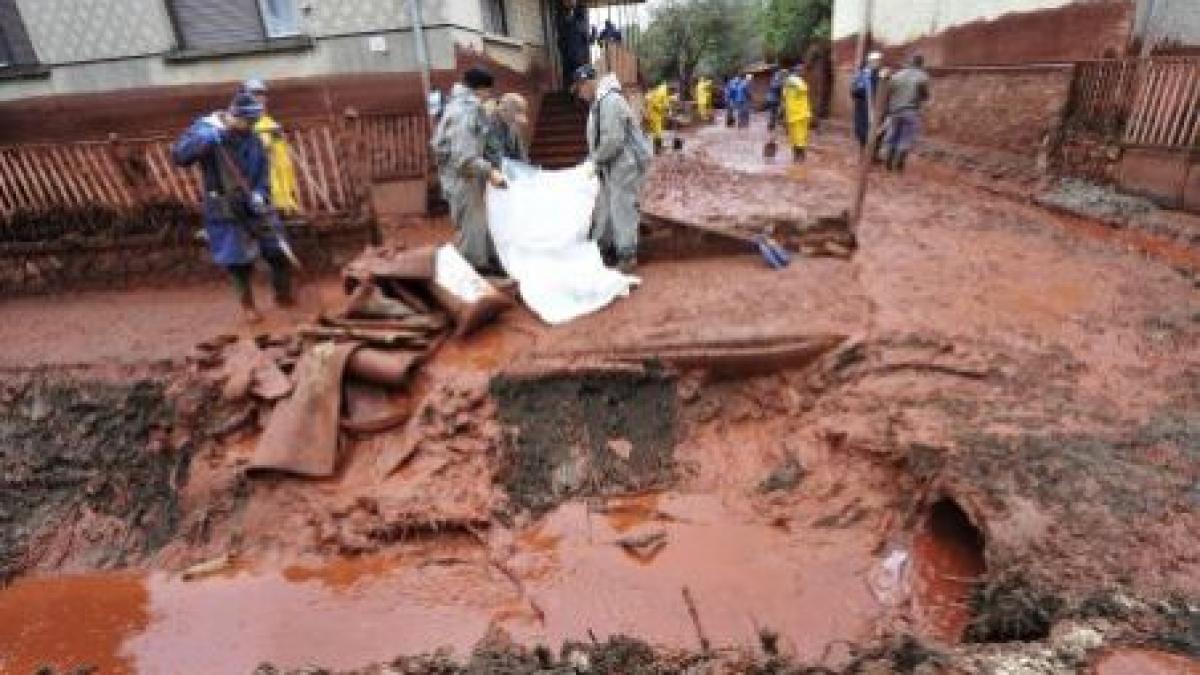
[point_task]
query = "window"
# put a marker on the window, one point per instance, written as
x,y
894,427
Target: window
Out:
x,y
280,18
495,19
15,48
208,24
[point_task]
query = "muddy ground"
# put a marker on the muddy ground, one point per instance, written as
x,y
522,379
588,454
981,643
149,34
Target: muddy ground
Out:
x,y
990,463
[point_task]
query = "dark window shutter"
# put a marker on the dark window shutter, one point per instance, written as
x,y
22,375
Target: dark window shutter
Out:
x,y
495,18
17,50
217,23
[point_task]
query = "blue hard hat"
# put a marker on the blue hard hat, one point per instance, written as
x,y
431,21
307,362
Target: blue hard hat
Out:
x,y
246,106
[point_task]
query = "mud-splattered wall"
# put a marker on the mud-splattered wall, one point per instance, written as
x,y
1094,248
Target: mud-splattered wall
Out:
x,y
1005,109
1001,67
998,32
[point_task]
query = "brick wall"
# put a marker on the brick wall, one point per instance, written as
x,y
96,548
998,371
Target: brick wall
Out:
x,y
1009,109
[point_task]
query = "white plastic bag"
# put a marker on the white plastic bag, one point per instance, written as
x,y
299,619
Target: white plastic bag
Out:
x,y
540,225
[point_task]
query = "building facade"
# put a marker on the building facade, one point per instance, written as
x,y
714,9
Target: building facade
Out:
x,y
79,46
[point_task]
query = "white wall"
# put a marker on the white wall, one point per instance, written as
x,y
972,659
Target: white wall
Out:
x,y
1176,21
901,21
102,45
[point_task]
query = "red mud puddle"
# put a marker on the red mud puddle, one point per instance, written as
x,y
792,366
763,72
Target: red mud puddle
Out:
x,y
947,561
342,615
1144,662
743,577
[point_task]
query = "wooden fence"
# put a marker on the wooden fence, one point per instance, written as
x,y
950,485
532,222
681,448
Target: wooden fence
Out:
x,y
1101,95
126,173
1164,110
1152,102
397,146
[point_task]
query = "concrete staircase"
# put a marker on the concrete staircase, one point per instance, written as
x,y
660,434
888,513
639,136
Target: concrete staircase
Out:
x,y
560,139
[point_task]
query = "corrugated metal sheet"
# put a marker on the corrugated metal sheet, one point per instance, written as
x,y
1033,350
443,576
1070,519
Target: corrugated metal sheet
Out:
x,y
218,23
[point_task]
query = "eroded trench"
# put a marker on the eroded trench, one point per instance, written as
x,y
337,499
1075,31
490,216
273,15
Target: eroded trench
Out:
x,y
632,495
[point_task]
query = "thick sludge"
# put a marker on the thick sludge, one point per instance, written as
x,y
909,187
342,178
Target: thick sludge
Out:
x,y
987,465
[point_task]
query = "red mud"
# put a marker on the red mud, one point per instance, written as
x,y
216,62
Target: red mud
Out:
x,y
947,563
1144,662
955,297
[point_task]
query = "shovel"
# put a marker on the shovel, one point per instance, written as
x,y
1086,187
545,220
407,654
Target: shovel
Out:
x,y
770,149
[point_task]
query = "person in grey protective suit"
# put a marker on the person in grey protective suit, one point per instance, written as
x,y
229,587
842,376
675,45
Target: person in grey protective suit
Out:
x,y
460,149
619,154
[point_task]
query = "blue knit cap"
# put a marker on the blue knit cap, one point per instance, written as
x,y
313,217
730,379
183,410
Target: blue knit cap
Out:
x,y
245,106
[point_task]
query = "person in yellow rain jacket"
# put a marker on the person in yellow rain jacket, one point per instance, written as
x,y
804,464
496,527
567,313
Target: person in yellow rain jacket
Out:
x,y
284,193
797,113
658,105
704,98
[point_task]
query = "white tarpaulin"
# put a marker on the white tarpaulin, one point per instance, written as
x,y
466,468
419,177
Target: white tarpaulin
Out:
x,y
540,226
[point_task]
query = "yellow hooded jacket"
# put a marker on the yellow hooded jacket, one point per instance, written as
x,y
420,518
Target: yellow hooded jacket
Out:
x,y
797,111
704,100
284,192
658,103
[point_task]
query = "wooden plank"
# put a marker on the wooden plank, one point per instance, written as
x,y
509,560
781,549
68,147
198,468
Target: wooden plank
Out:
x,y
22,185
59,176
1149,90
308,195
37,177
339,177
1145,127
322,172
48,196
1168,105
111,175
162,190
87,176
70,177
10,198
178,183
1159,104
79,172
1181,105
84,154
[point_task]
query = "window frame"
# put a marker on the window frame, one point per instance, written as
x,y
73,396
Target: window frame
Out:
x,y
298,27
15,67
298,42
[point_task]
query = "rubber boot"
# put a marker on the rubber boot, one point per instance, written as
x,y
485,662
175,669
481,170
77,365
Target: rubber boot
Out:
x,y
901,158
891,159
658,146
281,278
243,287
798,155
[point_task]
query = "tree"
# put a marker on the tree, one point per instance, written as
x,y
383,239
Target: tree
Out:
x,y
789,27
683,35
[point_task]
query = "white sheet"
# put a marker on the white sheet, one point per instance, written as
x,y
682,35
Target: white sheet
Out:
x,y
540,226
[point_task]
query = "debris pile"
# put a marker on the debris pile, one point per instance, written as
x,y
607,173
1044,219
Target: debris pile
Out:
x,y
345,373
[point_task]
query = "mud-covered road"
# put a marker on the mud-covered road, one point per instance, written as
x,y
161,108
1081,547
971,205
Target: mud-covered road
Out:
x,y
988,461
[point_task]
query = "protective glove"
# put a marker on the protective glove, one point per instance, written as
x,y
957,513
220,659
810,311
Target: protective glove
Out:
x,y
258,204
589,169
497,179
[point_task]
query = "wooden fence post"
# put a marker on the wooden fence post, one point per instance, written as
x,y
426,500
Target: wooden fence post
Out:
x,y
359,172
